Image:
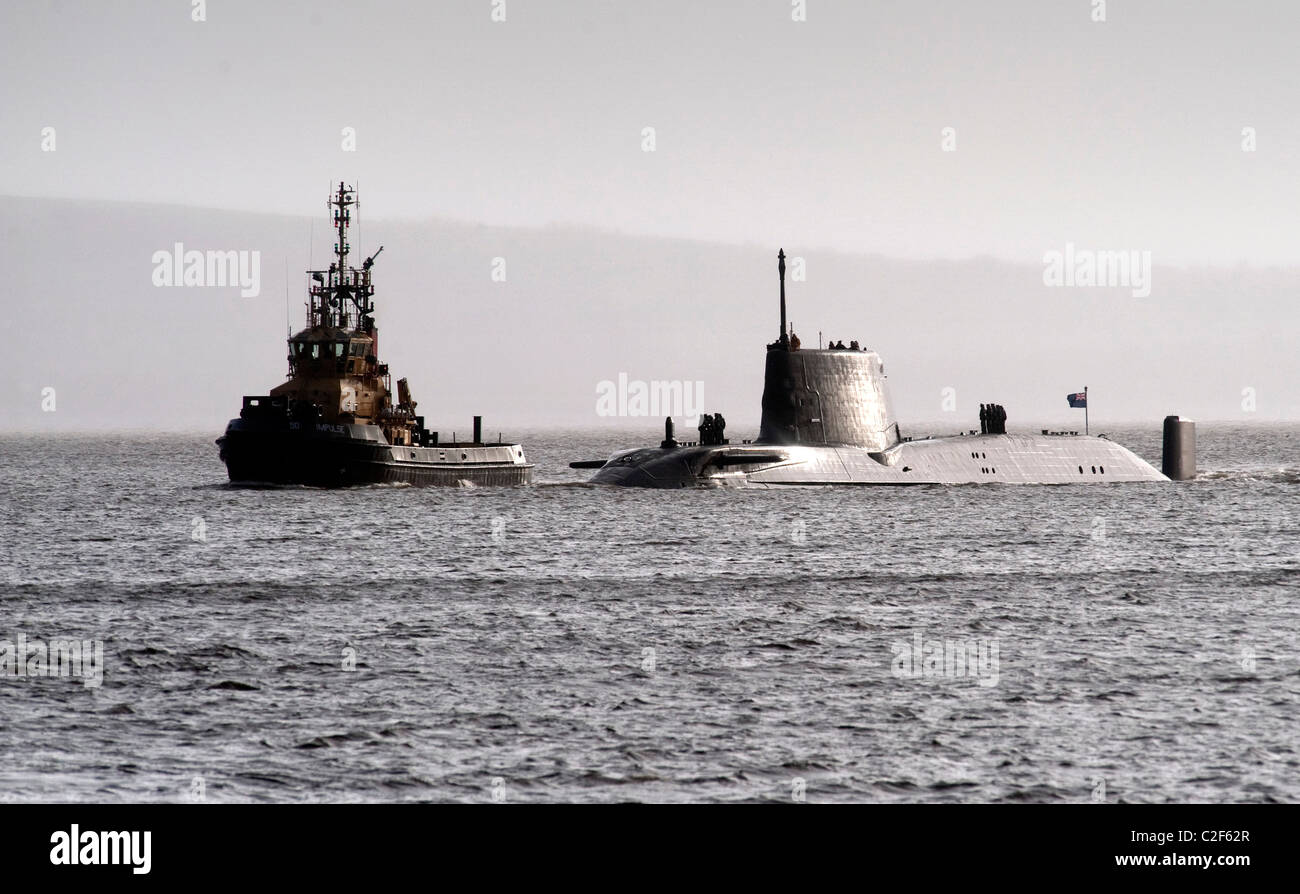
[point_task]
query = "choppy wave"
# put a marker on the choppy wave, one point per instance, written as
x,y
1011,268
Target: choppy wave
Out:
x,y
1282,475
571,642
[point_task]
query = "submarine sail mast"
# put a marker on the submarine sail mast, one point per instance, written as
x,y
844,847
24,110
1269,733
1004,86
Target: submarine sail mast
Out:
x,y
780,267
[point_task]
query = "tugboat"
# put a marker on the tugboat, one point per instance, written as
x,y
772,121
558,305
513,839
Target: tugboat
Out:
x,y
334,422
827,420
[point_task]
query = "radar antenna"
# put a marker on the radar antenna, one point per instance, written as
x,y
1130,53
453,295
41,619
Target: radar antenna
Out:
x,y
334,290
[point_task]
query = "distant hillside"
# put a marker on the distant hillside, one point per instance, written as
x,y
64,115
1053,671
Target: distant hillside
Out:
x,y
579,307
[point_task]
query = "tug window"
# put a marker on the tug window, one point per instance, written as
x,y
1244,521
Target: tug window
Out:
x,y
315,351
338,348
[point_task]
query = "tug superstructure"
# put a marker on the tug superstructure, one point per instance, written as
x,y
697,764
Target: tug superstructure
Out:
x,y
335,421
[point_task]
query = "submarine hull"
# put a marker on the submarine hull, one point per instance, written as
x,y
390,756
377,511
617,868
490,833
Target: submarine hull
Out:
x,y
970,459
827,420
290,452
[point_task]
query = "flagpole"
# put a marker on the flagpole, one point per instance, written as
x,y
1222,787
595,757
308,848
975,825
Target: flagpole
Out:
x,y
1085,409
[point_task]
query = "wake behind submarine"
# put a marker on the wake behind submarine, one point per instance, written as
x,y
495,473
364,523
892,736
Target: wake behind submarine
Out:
x,y
827,420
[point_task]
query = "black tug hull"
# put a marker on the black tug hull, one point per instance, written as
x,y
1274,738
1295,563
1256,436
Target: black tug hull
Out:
x,y
293,453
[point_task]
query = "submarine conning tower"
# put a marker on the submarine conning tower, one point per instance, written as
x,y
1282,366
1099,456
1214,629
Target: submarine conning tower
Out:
x,y
824,397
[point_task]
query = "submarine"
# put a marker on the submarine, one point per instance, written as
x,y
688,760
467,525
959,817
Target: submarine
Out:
x,y
334,423
827,420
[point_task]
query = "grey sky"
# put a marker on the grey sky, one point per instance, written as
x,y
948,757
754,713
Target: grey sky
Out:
x,y
1122,134
524,140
